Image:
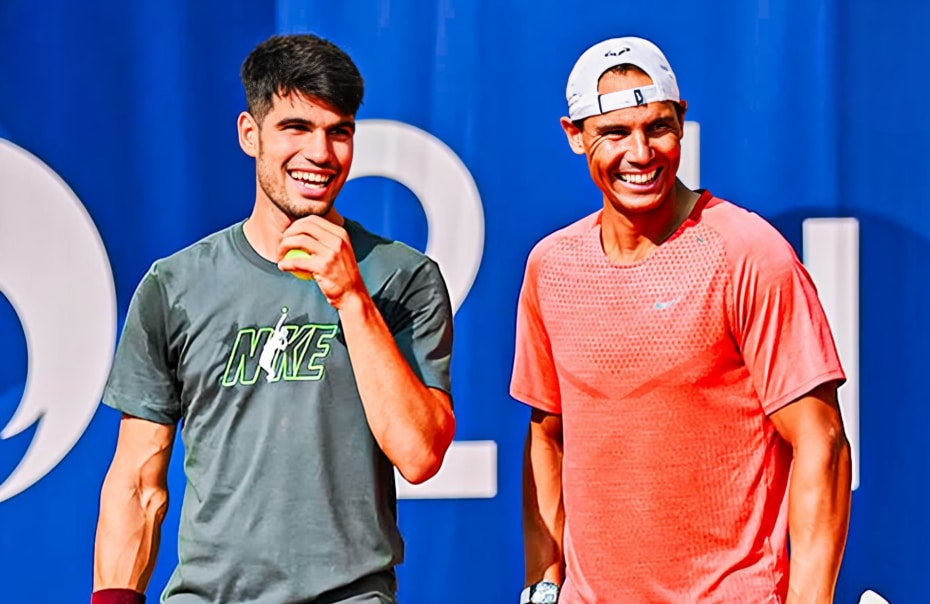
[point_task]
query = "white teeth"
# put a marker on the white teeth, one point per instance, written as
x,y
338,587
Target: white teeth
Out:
x,y
640,179
310,177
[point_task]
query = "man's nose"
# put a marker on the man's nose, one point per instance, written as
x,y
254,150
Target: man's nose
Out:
x,y
639,150
317,147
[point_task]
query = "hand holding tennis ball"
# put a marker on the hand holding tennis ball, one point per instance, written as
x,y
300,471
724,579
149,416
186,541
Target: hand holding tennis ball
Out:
x,y
332,260
299,253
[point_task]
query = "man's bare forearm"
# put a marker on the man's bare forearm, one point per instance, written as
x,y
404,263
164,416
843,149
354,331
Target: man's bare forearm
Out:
x,y
128,534
133,502
543,511
818,517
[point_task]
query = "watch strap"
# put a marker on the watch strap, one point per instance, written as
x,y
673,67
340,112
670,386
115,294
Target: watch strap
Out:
x,y
544,587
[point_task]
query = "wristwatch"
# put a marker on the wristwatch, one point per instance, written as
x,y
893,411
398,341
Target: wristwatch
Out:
x,y
544,592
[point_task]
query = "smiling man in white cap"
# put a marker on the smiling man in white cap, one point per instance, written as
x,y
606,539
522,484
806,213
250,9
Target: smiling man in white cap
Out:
x,y
678,364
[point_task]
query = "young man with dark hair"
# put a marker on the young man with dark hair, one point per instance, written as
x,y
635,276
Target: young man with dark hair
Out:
x,y
296,397
681,374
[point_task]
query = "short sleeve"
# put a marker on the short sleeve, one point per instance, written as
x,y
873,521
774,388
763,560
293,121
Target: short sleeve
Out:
x,y
143,379
423,329
534,380
779,323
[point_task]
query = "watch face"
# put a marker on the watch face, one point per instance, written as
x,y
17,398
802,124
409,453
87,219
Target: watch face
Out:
x,y
545,593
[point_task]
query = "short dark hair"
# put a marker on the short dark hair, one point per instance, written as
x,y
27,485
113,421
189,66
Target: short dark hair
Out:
x,y
623,69
302,63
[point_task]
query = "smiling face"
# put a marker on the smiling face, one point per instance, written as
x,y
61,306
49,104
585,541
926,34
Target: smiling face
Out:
x,y
303,151
633,153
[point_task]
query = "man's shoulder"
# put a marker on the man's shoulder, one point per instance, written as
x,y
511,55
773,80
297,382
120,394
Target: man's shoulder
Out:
x,y
188,262
196,251
744,234
371,247
565,236
740,228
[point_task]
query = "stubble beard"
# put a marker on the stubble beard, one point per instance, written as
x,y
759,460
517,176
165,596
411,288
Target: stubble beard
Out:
x,y
280,199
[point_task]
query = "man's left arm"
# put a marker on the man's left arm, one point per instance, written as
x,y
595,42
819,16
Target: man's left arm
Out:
x,y
412,423
818,493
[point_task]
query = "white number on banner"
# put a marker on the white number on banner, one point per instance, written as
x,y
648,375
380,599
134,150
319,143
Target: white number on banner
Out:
x,y
443,185
55,272
831,256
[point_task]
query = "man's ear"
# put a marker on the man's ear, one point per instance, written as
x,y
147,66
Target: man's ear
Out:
x,y
248,134
682,109
574,135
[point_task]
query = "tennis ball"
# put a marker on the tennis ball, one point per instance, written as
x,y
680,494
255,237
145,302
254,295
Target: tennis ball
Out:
x,y
299,253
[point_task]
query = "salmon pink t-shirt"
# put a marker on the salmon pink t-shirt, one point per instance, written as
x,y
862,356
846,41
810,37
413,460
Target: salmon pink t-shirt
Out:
x,y
665,372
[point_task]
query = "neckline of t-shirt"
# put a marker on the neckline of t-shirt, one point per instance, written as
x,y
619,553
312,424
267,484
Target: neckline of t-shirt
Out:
x,y
692,220
241,243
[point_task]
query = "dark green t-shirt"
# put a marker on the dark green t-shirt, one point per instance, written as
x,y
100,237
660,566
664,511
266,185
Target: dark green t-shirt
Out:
x,y
288,495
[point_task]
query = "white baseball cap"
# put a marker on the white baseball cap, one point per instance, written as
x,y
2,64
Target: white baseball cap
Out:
x,y
581,93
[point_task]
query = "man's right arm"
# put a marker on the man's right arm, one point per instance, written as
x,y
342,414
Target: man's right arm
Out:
x,y
133,502
543,512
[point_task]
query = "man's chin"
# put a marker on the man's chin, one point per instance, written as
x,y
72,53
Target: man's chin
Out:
x,y
636,204
296,211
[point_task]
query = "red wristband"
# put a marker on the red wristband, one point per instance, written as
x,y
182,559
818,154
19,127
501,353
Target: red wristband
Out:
x,y
117,596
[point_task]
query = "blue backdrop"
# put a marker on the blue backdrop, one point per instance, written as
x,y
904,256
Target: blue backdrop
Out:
x,y
806,108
